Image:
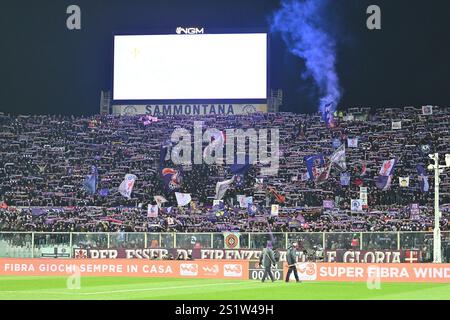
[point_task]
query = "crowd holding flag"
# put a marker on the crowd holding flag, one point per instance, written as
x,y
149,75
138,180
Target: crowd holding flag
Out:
x,y
252,209
313,163
318,170
403,182
274,210
304,176
345,179
336,143
328,204
103,192
90,183
425,149
239,180
183,199
152,211
278,197
396,125
384,179
423,179
353,142
218,204
357,205
324,174
172,179
148,119
338,158
159,200
222,187
363,168
126,187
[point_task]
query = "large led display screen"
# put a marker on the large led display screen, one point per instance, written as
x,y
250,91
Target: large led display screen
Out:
x,y
200,66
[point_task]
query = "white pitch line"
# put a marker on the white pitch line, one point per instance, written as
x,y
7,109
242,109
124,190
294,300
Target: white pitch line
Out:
x,y
163,288
128,290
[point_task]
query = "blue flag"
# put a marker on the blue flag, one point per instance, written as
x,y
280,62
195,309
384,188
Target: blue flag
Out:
x,y
423,179
172,178
345,179
103,192
384,179
312,162
90,183
252,209
239,180
336,143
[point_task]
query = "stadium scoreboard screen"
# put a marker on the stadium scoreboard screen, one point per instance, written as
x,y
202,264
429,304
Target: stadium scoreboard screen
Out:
x,y
190,67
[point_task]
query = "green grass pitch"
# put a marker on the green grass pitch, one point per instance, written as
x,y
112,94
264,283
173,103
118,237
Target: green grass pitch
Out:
x,y
112,288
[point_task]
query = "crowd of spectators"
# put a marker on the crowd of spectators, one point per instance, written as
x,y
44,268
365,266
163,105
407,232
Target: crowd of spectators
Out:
x,y
45,159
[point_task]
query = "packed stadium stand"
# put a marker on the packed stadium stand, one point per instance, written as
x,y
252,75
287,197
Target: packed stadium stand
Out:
x,y
45,160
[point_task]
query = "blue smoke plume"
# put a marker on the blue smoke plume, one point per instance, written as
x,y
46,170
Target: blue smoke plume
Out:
x,y
301,25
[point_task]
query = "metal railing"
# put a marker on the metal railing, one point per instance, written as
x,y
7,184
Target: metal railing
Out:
x,y
39,244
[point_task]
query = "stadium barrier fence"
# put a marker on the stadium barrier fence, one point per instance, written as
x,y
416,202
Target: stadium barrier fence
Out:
x,y
64,244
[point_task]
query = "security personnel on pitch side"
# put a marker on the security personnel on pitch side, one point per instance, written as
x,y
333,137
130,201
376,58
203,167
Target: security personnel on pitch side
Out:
x,y
268,259
290,259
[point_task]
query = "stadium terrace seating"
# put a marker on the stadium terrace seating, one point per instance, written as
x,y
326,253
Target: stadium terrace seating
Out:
x,y
45,159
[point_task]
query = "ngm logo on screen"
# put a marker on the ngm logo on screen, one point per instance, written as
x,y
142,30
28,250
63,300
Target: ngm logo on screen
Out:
x,y
181,30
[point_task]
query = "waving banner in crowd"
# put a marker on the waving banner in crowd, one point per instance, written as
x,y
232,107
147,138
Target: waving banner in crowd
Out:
x,y
90,183
126,187
172,179
338,158
345,179
222,187
423,179
357,205
312,163
152,211
183,199
160,200
384,179
352,142
403,182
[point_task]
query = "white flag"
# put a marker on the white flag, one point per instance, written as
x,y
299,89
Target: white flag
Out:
x,y
338,158
152,211
396,125
126,187
427,110
183,199
352,142
357,205
160,200
274,210
222,187
403,182
242,200
217,203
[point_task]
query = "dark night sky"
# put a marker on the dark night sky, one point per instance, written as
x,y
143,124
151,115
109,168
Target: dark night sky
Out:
x,y
46,68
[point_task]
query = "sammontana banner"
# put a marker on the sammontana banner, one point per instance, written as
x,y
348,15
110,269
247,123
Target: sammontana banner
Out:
x,y
189,109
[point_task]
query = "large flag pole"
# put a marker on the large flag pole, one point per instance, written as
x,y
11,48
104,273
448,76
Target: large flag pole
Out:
x,y
437,248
